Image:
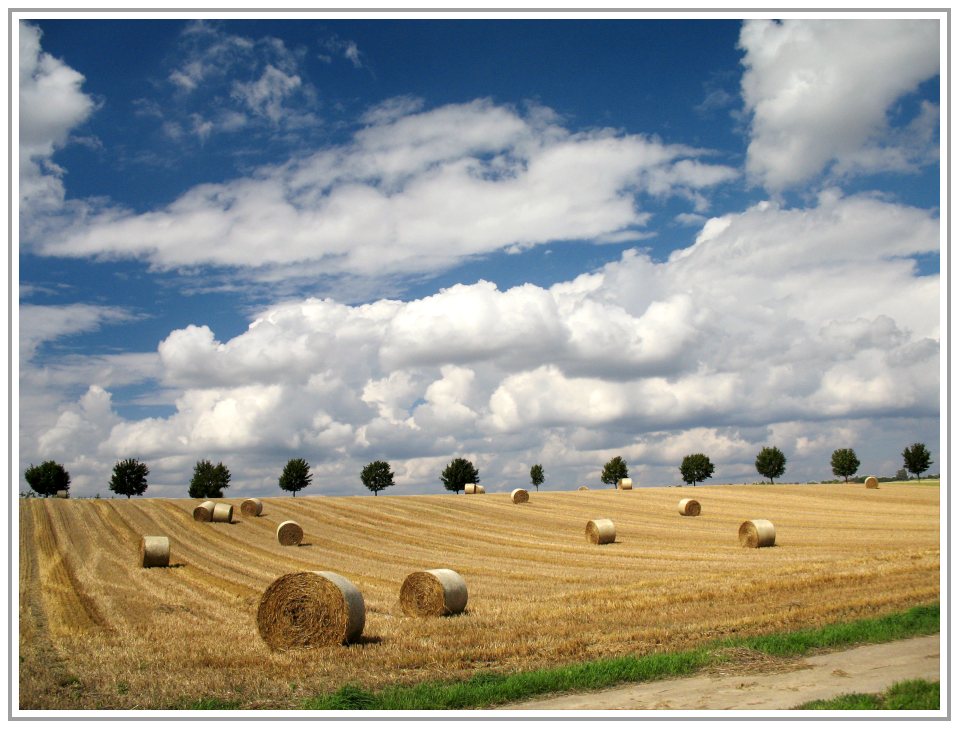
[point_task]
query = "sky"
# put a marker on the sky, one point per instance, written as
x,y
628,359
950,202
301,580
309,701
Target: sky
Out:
x,y
548,240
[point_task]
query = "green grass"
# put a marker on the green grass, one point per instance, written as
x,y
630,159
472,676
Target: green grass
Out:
x,y
488,689
915,695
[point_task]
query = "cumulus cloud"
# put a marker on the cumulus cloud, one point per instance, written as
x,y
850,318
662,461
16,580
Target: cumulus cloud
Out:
x,y
819,93
776,325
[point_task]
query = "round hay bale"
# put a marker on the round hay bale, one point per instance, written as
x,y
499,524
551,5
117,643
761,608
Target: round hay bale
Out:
x,y
519,496
433,593
204,512
625,484
601,531
689,507
872,482
757,533
154,551
289,534
63,494
222,513
474,488
583,488
251,507
305,609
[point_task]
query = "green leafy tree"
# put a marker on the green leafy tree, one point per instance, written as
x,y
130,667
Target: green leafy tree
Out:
x,y
917,459
771,463
614,470
208,480
536,475
844,463
47,478
901,475
129,478
296,475
696,467
457,474
376,476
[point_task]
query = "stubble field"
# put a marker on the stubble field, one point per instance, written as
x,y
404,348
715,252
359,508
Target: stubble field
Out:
x,y
98,631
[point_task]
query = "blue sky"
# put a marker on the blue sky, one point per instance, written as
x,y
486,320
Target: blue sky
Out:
x,y
520,241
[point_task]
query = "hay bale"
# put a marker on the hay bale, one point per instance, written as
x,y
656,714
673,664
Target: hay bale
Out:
x,y
757,533
519,496
583,488
154,551
474,488
289,534
872,482
625,484
601,531
433,593
306,609
204,512
222,513
251,507
63,494
689,507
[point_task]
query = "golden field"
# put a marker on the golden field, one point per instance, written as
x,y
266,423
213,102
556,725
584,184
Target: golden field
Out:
x,y
98,631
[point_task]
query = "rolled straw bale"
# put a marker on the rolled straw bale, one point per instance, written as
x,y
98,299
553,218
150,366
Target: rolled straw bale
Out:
x,y
601,531
757,533
872,482
154,551
689,507
62,494
625,484
519,496
304,609
204,512
222,513
289,534
474,488
251,507
583,488
433,593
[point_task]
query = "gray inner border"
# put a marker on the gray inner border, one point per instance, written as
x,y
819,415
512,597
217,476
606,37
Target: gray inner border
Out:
x,y
14,475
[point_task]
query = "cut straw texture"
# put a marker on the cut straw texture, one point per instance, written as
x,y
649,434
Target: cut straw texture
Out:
x,y
433,593
63,494
872,482
474,488
222,513
757,533
625,484
289,534
251,507
306,609
154,551
601,531
519,496
689,507
204,512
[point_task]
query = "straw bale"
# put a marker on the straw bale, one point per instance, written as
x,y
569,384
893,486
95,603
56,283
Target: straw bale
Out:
x,y
625,484
519,496
222,513
251,507
474,488
289,534
204,512
872,482
689,507
306,609
154,551
757,533
583,488
433,593
63,494
601,531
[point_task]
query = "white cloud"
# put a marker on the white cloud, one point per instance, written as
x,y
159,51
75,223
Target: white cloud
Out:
x,y
267,95
39,324
819,92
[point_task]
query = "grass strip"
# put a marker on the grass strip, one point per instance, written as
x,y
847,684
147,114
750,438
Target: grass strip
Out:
x,y
914,695
487,689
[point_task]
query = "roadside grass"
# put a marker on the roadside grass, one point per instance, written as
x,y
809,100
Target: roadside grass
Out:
x,y
914,695
487,689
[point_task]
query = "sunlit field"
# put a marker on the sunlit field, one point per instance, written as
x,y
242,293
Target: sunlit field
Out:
x,y
98,631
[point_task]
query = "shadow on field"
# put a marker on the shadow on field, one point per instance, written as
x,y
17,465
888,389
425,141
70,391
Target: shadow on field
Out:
x,y
305,544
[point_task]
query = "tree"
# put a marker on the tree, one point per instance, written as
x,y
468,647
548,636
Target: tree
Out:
x,y
844,463
901,475
296,475
457,474
614,470
209,481
771,463
47,478
376,476
916,459
696,467
536,475
129,478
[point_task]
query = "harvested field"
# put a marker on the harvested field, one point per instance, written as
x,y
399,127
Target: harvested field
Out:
x,y
96,631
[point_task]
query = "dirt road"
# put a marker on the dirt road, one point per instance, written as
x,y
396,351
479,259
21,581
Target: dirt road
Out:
x,y
868,669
